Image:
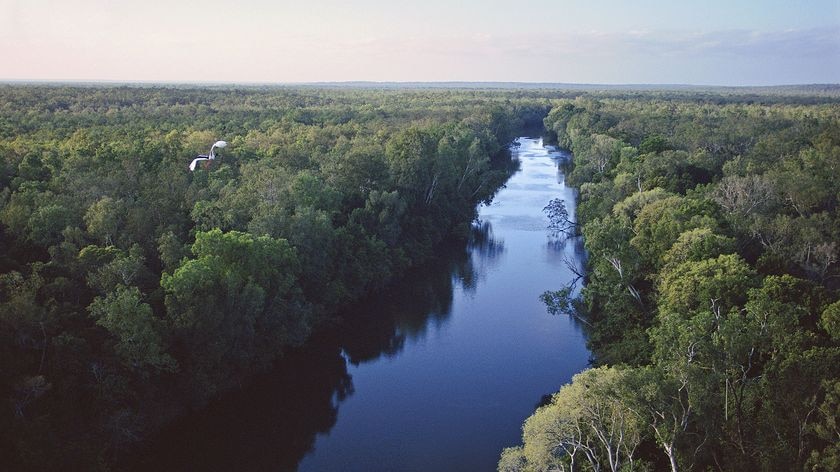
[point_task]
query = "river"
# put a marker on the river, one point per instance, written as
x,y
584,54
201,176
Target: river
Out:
x,y
436,373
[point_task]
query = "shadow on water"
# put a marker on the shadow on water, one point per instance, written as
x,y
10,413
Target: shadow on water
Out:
x,y
380,325
272,423
464,324
486,252
269,425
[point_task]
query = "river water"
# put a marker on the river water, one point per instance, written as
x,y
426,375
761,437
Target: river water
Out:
x,y
436,373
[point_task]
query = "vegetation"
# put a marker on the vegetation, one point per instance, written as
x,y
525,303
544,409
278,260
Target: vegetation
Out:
x,y
134,290
712,228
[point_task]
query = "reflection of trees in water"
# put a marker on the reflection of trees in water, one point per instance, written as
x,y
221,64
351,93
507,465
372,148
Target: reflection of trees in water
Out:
x,y
381,324
580,252
269,425
561,158
273,423
485,251
563,161
571,253
556,248
482,243
423,299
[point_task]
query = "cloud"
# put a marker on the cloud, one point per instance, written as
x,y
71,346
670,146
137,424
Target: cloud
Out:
x,y
726,57
720,57
818,42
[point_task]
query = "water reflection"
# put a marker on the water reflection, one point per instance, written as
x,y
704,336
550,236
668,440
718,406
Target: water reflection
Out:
x,y
273,423
485,252
270,425
413,374
380,325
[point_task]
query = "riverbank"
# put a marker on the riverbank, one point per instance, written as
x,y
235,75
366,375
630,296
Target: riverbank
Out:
x,y
461,345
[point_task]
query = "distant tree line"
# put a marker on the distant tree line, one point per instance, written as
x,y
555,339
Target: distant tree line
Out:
x,y
712,292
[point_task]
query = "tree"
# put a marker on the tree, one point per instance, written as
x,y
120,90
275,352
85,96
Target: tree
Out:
x,y
23,336
591,421
664,404
660,223
234,303
703,341
827,428
512,460
139,339
628,209
653,144
696,245
109,267
410,155
46,224
744,196
830,320
612,295
104,218
559,221
171,250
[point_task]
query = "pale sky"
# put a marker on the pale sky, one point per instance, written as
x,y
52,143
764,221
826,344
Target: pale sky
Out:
x,y
716,42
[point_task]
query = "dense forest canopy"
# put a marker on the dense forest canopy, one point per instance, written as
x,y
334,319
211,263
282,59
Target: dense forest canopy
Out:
x,y
712,292
134,289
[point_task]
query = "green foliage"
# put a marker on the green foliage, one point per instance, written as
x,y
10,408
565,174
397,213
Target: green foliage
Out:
x,y
110,267
659,224
713,266
119,265
103,219
830,320
171,250
827,428
138,333
232,302
652,145
559,301
46,224
696,245
591,423
558,218
512,460
628,209
712,284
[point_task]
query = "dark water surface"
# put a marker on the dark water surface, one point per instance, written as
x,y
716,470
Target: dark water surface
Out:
x,y
435,373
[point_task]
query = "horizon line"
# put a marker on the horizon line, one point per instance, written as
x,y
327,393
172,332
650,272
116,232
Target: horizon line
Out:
x,y
494,83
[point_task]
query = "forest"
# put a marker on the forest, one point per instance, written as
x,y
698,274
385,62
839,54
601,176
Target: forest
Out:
x,y
133,290
712,292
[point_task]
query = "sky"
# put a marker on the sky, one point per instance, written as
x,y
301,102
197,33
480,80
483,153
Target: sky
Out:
x,y
708,42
